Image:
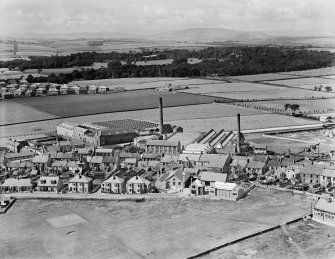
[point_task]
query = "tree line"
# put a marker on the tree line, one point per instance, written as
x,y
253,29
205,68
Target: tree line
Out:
x,y
221,61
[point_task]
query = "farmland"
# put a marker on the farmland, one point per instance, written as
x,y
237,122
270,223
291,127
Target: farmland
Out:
x,y
12,112
259,121
263,77
313,72
147,83
80,105
304,81
219,87
276,93
311,106
164,227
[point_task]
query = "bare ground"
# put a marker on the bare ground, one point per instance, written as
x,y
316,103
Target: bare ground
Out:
x,y
157,228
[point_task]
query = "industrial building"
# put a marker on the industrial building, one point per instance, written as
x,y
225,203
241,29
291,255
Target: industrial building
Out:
x,y
116,131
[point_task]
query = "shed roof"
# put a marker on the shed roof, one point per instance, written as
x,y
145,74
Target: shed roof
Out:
x,y
213,177
80,179
41,159
16,182
325,205
167,143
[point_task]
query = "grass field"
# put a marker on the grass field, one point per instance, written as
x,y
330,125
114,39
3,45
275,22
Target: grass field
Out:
x,y
304,239
219,87
145,83
79,105
157,228
313,72
305,105
263,77
12,112
249,122
199,111
305,81
279,92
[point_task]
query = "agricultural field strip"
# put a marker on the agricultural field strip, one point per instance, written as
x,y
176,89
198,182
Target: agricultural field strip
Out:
x,y
71,106
307,105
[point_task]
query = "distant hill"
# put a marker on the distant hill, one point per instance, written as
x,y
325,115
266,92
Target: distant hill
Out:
x,y
209,34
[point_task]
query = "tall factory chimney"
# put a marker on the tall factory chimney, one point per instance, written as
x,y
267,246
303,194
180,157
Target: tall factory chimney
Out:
x,y
238,133
161,131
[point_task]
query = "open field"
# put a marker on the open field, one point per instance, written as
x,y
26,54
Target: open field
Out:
x,y
278,93
262,77
49,71
12,112
220,87
32,49
311,81
313,72
249,122
145,82
282,144
199,111
157,228
79,105
16,74
312,106
304,239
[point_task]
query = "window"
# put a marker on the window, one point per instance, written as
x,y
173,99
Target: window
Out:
x,y
207,183
174,183
179,183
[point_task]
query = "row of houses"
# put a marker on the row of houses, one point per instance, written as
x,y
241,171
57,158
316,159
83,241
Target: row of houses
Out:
x,y
23,88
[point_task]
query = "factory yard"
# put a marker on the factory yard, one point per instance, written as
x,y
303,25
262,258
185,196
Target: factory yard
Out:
x,y
304,239
157,228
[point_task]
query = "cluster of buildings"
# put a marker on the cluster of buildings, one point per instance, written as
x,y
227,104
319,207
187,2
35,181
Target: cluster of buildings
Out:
x,y
23,89
213,164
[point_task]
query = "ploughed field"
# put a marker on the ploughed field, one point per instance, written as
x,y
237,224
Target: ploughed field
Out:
x,y
79,105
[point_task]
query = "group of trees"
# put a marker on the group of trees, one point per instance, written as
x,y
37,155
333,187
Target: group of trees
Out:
x,y
222,61
293,107
319,88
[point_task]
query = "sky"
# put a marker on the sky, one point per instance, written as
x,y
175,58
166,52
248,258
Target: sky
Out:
x,y
148,16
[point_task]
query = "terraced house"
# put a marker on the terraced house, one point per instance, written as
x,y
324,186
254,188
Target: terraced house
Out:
x,y
165,147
